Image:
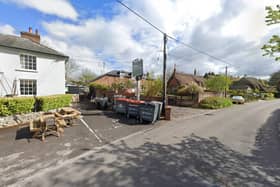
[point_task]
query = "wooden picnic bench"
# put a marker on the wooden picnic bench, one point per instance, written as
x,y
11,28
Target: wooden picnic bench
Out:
x,y
45,125
52,123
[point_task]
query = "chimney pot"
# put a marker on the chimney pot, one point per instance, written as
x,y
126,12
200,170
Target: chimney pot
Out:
x,y
35,37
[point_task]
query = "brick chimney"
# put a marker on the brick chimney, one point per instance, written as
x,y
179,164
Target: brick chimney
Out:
x,y
35,37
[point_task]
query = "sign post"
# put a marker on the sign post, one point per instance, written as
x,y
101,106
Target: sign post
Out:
x,y
137,72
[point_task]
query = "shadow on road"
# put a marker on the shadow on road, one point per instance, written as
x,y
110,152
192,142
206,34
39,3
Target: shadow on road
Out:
x,y
23,133
194,161
268,146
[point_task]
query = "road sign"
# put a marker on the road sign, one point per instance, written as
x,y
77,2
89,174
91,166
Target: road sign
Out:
x,y
137,67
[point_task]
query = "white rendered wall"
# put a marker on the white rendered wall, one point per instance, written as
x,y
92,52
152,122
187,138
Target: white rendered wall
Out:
x,y
50,73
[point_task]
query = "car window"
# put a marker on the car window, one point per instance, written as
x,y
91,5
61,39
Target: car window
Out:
x,y
237,97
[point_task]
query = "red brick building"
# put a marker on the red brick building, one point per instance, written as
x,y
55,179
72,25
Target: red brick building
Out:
x,y
111,77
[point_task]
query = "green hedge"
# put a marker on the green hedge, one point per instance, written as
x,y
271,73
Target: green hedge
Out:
x,y
215,103
268,96
23,105
99,86
252,96
47,103
17,105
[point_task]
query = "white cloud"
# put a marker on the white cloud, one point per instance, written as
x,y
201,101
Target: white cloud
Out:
x,y
125,37
60,8
231,30
250,23
7,29
82,55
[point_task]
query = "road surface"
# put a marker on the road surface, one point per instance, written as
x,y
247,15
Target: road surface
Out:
x,y
237,146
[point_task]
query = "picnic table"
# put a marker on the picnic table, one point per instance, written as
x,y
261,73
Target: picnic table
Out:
x,y
45,125
52,123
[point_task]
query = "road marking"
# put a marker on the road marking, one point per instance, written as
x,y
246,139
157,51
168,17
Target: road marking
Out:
x,y
91,130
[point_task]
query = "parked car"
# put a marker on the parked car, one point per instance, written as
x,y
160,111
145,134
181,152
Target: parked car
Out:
x,y
238,100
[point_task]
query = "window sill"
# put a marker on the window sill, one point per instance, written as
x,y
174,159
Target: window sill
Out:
x,y
27,70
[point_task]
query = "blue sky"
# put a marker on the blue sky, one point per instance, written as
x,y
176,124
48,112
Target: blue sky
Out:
x,y
21,17
93,32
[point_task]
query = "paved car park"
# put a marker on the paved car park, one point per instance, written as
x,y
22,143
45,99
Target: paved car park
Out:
x,y
21,155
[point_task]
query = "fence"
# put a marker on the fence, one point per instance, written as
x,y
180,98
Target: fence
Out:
x,y
185,101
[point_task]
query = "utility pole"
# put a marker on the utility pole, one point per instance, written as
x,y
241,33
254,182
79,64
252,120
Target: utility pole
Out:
x,y
226,73
164,99
138,88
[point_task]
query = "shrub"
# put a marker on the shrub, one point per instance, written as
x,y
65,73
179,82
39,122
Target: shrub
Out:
x,y
22,105
191,89
152,88
268,96
18,105
215,102
4,111
46,103
99,86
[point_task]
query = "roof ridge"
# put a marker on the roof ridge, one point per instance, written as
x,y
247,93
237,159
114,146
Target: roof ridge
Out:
x,y
35,44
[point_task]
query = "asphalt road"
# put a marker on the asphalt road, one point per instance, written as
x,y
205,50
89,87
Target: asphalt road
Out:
x,y
238,146
22,156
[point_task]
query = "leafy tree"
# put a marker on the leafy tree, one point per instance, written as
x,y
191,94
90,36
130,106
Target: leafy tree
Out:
x,y
274,79
272,48
71,67
209,74
128,84
152,87
85,77
117,86
218,83
150,75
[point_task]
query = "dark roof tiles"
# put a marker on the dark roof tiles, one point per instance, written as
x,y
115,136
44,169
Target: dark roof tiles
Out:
x,y
26,44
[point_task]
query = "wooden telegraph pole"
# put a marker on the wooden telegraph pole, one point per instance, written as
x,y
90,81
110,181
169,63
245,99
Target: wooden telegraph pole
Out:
x,y
164,99
226,81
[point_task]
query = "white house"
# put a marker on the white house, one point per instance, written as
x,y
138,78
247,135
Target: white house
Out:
x,y
29,68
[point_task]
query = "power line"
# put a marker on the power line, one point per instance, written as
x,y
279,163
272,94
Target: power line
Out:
x,y
199,51
141,17
171,37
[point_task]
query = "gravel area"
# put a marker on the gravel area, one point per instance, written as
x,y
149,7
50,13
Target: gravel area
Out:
x,y
16,120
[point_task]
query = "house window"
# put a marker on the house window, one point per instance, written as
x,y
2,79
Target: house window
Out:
x,y
28,62
28,87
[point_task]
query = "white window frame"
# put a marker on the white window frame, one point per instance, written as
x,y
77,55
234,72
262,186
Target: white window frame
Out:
x,y
28,62
29,87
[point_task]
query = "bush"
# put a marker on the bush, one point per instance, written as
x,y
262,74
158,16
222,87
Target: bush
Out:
x,y
18,105
46,103
215,103
23,105
100,87
152,88
252,96
4,111
268,96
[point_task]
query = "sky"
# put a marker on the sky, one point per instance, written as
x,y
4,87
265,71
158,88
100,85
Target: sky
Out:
x,y
103,35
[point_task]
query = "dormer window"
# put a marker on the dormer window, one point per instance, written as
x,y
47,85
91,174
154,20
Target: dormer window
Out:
x,y
28,62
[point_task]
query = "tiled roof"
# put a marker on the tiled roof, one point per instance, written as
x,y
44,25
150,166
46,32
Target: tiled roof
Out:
x,y
26,44
115,73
